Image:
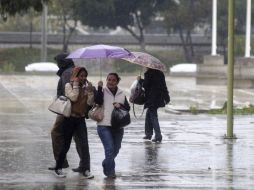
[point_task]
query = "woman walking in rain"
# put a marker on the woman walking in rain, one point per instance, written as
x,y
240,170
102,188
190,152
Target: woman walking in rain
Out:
x,y
156,95
110,96
57,135
81,94
156,92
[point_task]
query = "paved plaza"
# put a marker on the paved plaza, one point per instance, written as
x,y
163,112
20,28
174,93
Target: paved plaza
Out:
x,y
193,153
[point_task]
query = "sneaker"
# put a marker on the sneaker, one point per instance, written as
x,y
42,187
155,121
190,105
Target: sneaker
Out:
x,y
78,169
65,165
52,168
59,173
87,174
147,138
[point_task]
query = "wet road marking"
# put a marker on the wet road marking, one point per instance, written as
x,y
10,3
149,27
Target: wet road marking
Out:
x,y
246,92
13,94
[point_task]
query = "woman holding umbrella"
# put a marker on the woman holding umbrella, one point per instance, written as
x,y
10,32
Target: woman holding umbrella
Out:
x,y
111,137
81,94
156,92
157,96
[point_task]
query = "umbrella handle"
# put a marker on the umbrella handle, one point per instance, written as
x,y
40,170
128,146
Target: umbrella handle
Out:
x,y
100,70
140,71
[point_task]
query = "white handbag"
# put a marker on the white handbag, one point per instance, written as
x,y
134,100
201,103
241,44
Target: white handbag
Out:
x,y
61,106
96,113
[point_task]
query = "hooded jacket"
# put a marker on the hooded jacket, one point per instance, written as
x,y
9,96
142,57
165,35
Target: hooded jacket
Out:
x,y
81,96
65,67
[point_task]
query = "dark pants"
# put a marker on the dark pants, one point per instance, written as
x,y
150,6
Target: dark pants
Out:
x,y
70,127
57,136
152,123
111,140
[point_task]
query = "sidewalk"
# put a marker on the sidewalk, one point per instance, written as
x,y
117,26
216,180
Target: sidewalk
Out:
x,y
185,94
192,155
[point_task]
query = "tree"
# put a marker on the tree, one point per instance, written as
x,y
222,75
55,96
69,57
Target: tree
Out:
x,y
183,17
132,15
66,11
13,7
240,24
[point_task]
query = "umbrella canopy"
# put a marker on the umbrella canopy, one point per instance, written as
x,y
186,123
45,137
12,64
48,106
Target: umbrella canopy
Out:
x,y
100,51
146,60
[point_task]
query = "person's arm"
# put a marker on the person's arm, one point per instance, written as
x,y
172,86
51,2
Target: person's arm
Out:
x,y
90,93
72,91
146,82
59,91
164,90
166,94
99,96
64,79
126,104
140,80
167,98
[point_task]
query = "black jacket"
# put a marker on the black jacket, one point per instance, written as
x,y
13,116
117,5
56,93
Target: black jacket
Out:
x,y
156,91
65,67
64,78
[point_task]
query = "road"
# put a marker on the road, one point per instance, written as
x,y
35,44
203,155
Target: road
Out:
x,y
192,155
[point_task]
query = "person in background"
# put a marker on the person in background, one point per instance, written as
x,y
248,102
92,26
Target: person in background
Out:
x,y
81,94
110,96
65,67
57,135
156,95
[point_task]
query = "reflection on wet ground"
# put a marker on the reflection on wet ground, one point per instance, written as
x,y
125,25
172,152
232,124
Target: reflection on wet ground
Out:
x,y
193,154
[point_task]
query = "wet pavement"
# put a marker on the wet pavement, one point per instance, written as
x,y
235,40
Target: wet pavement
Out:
x,y
192,155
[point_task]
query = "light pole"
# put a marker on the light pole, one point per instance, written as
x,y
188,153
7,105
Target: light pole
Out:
x,y
214,28
230,72
248,29
44,32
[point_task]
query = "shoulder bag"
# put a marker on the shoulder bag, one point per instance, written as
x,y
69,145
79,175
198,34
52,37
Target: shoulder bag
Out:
x,y
120,118
61,106
96,113
137,95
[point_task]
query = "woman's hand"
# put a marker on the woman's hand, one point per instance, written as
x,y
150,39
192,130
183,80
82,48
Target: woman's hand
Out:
x,y
76,82
89,86
100,83
76,79
116,105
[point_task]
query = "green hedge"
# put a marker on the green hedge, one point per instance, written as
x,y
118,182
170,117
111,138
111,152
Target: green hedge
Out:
x,y
15,59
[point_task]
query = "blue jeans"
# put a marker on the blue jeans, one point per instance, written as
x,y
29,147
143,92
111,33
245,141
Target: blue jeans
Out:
x,y
152,123
111,140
